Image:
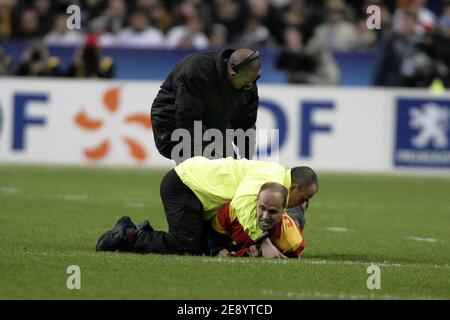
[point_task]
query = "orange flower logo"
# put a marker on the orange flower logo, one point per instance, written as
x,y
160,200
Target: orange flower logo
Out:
x,y
111,103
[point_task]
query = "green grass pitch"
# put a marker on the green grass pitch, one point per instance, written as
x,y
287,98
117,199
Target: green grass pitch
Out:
x,y
51,217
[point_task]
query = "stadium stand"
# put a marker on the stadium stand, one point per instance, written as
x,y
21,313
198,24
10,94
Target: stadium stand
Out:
x,y
349,52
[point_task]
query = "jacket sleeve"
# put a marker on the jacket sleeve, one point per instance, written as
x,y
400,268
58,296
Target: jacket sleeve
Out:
x,y
188,101
245,119
244,205
190,106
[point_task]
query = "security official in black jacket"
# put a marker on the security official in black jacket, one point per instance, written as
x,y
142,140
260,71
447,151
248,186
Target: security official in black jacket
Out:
x,y
217,88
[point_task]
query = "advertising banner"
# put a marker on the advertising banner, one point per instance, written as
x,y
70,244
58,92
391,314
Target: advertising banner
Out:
x,y
94,122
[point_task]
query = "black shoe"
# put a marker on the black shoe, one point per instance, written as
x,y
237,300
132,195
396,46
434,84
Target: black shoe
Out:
x,y
116,238
145,225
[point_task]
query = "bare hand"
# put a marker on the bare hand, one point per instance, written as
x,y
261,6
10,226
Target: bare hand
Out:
x,y
254,251
270,251
224,253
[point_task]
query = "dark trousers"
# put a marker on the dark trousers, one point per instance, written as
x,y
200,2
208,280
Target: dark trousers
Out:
x,y
184,213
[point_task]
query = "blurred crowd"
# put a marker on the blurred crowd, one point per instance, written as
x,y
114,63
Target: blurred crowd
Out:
x,y
413,35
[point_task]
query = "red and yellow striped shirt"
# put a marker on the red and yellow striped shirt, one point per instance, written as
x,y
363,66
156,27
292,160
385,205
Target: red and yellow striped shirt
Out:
x,y
286,235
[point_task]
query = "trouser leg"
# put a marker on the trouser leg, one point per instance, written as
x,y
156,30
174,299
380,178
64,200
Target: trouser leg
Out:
x,y
184,213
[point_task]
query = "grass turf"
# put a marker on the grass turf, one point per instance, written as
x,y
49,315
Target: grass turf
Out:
x,y
51,217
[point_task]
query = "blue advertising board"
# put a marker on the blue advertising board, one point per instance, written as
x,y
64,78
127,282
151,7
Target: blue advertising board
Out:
x,y
422,133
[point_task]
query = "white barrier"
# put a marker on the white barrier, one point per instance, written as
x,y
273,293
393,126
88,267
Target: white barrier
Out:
x,y
107,122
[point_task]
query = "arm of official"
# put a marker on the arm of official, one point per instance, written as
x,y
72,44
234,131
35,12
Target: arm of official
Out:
x,y
189,103
188,100
244,206
245,118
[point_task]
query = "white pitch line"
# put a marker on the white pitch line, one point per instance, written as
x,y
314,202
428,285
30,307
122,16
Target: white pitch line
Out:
x,y
9,190
138,205
232,260
338,229
350,262
422,239
72,197
322,262
380,264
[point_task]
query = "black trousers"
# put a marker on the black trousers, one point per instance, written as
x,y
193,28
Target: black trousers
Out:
x,y
184,213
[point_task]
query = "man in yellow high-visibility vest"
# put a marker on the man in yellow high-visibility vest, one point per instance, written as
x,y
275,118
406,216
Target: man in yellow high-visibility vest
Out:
x,y
195,190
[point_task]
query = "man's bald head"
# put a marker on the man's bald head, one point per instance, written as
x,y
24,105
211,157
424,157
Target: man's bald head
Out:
x,y
243,68
240,55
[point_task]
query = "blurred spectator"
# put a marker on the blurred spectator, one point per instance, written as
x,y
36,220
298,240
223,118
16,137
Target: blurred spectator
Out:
x,y
116,13
336,33
443,42
344,6
367,38
44,12
297,15
6,63
436,45
230,14
190,34
402,61
99,27
267,17
60,35
36,61
426,19
28,26
310,65
6,18
279,4
146,5
387,27
259,9
90,63
255,34
161,17
203,8
218,35
140,34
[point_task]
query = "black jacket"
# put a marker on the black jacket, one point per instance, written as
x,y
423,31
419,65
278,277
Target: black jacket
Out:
x,y
198,89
